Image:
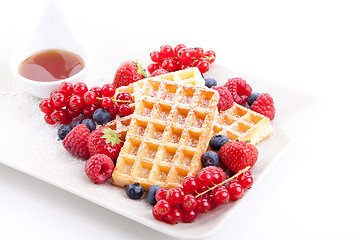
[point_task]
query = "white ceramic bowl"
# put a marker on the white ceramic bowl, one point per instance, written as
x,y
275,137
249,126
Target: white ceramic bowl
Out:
x,y
53,32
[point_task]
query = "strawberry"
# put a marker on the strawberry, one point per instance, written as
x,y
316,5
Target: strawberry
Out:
x,y
128,72
238,155
105,141
75,141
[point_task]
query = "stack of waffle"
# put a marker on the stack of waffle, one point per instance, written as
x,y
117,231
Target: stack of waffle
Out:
x,y
174,116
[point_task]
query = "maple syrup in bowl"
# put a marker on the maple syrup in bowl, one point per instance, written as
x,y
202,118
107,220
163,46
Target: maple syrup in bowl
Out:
x,y
51,65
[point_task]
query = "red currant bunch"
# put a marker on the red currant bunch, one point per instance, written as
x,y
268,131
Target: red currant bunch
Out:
x,y
178,58
69,101
199,195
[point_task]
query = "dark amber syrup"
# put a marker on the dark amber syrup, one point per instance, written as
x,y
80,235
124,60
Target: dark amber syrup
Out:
x,y
51,65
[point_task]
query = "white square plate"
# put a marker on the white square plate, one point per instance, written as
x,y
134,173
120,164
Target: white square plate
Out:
x,y
31,146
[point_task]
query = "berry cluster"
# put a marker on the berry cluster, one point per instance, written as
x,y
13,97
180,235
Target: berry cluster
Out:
x,y
237,90
180,57
200,194
69,101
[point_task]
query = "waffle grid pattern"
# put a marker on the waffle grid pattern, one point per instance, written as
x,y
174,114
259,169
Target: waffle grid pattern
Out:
x,y
241,123
169,131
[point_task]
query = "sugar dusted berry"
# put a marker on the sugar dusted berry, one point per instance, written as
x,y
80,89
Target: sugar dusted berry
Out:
x,y
134,191
239,89
75,141
226,100
264,105
99,168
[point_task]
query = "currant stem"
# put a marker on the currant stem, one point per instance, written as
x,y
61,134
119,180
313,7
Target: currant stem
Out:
x,y
115,100
223,182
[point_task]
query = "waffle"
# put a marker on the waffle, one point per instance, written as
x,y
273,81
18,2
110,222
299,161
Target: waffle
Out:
x,y
242,123
191,76
170,129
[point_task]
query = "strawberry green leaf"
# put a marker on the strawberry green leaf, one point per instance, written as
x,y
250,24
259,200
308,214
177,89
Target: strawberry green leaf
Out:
x,y
111,136
141,70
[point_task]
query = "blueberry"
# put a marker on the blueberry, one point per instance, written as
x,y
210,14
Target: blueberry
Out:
x,y
101,116
134,191
63,131
210,82
217,141
150,197
210,158
90,124
252,98
77,123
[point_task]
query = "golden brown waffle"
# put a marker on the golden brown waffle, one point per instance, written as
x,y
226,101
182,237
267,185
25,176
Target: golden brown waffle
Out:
x,y
242,123
190,76
169,131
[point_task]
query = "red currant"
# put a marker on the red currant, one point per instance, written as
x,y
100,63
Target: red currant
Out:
x,y
204,178
203,65
76,102
166,51
88,110
53,93
183,66
189,202
162,207
203,205
217,178
177,48
113,110
155,56
96,90
46,106
246,180
152,67
221,195
59,101
184,55
72,113
157,215
66,88
210,55
210,197
174,216
48,119
169,65
158,72
198,52
107,102
235,190
108,90
182,192
89,97
190,185
58,115
80,89
160,194
124,96
124,110
173,196
189,216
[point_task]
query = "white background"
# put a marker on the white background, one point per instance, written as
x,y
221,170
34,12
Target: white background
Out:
x,y
311,46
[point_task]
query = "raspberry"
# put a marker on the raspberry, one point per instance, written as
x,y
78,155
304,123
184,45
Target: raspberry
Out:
x,y
226,99
99,168
239,89
75,141
264,105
